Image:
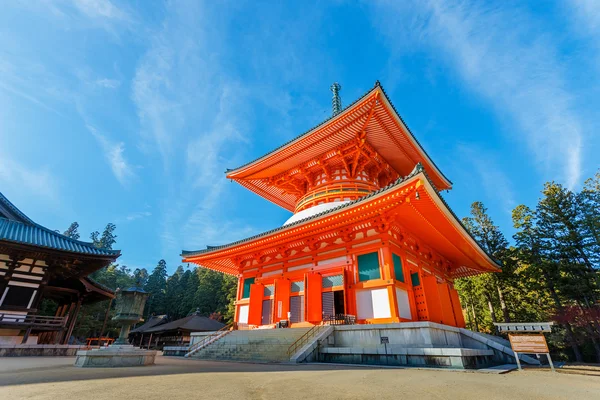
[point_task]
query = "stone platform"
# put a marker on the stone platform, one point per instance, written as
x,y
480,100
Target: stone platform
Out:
x,y
115,356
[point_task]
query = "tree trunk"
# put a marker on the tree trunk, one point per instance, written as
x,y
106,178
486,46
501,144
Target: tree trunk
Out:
x,y
491,307
503,305
469,319
595,343
474,317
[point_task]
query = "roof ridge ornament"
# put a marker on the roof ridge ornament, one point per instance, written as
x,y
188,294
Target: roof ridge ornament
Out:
x,y
336,101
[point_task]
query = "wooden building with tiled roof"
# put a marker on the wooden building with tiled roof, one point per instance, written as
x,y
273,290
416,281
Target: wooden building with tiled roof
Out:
x,y
37,263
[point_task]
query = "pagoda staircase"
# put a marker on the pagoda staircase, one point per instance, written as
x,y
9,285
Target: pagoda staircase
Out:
x,y
256,345
209,339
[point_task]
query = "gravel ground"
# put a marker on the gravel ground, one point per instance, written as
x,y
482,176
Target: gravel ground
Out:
x,y
174,378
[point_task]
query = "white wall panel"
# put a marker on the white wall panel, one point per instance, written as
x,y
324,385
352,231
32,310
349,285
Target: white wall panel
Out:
x,y
381,303
364,304
373,303
243,315
403,303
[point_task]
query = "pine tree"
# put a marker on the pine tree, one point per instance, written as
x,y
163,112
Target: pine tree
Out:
x,y
157,286
481,226
72,231
529,241
107,239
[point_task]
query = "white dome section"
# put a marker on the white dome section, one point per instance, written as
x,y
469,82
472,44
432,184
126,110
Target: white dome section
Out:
x,y
309,212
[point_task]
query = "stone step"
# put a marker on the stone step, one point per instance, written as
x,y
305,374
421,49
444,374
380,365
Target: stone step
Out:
x,y
253,345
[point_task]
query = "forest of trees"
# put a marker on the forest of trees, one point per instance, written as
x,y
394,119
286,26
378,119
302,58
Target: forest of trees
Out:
x,y
550,273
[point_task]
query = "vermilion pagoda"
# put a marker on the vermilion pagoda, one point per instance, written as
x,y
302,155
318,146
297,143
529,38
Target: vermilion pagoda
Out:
x,y
370,237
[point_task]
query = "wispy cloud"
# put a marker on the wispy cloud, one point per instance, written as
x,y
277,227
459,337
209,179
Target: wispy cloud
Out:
x,y
138,215
588,12
101,9
188,104
36,181
108,83
504,56
114,154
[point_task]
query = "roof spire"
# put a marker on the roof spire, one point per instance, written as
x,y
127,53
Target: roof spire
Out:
x,y
336,101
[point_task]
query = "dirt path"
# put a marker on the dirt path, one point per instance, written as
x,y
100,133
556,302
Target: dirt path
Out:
x,y
171,379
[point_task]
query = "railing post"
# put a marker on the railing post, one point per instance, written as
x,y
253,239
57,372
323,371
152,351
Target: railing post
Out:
x,y
26,336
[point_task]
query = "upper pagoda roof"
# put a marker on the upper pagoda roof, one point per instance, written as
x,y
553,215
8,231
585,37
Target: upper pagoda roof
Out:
x,y
16,227
429,216
373,113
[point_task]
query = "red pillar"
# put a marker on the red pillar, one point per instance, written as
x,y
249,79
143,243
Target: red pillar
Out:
x,y
458,314
432,298
314,305
446,303
282,299
388,267
257,291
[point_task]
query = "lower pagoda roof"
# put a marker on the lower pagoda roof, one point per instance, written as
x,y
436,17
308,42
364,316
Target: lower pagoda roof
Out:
x,y
413,199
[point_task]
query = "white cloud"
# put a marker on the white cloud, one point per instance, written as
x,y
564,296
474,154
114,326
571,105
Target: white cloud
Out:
x,y
506,58
138,215
588,12
189,105
113,152
39,182
108,83
100,9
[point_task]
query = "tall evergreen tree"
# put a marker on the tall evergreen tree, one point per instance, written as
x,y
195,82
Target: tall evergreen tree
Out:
x,y
481,226
72,231
157,286
107,239
546,273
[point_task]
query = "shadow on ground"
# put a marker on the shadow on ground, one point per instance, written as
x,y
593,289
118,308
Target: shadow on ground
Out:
x,y
30,370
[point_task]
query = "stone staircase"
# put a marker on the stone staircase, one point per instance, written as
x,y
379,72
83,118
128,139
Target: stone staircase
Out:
x,y
257,345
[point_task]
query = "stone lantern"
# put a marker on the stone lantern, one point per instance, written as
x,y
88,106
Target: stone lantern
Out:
x,y
130,308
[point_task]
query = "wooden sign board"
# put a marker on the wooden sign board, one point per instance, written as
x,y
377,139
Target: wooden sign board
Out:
x,y
528,344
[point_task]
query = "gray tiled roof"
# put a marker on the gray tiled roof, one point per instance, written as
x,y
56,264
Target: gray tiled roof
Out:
x,y
25,231
192,323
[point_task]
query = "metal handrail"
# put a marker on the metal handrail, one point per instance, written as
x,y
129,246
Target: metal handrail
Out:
x,y
38,320
207,338
302,340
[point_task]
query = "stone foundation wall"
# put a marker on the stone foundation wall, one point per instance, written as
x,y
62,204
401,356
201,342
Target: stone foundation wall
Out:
x,y
44,350
425,344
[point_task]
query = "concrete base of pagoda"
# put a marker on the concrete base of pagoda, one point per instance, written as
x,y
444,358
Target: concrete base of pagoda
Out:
x,y
416,344
115,356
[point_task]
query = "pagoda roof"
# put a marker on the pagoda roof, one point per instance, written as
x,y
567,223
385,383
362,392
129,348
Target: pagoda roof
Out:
x,y
373,113
458,243
16,227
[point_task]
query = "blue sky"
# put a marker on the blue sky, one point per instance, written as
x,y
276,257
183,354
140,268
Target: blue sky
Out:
x,y
129,112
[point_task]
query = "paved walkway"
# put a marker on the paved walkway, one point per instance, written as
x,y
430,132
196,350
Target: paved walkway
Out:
x,y
174,378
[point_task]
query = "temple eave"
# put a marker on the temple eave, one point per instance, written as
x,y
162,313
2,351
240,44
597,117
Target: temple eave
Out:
x,y
427,215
